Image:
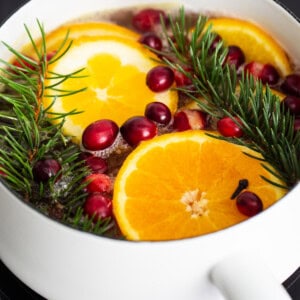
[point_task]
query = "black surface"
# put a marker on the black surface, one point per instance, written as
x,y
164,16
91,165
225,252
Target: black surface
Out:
x,y
13,289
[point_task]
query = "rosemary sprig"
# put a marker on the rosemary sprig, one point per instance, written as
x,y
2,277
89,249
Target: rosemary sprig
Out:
x,y
220,91
31,132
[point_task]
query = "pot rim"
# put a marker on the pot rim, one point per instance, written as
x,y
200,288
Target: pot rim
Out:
x,y
130,3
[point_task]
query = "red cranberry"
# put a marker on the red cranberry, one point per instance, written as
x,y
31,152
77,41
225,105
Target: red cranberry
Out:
x,y
160,78
98,206
2,173
292,104
50,55
181,79
215,43
158,112
137,129
265,72
45,169
100,135
249,204
291,85
228,127
297,124
151,40
94,163
24,64
235,56
98,183
147,19
189,119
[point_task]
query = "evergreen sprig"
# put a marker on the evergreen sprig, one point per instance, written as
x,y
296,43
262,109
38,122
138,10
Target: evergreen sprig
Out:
x,y
220,91
31,132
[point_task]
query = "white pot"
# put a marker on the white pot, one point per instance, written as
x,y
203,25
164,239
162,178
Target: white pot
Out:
x,y
62,263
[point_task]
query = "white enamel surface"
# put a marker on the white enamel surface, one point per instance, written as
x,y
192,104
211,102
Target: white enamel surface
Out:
x,y
61,263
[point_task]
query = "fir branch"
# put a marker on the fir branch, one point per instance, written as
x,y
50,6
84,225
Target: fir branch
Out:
x,y
220,91
31,132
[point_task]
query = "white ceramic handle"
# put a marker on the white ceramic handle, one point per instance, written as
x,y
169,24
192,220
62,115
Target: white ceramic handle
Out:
x,y
242,277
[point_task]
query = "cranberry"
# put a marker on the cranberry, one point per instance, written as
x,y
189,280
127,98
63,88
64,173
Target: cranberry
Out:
x,y
229,128
181,79
2,173
98,206
45,169
24,64
215,43
98,183
158,112
249,204
94,163
100,135
147,19
137,129
265,72
151,40
235,56
297,124
292,104
189,119
50,55
160,78
291,85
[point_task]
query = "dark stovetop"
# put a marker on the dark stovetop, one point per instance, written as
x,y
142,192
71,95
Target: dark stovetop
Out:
x,y
11,288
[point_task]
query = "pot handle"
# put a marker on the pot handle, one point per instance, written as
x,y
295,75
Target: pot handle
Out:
x,y
242,277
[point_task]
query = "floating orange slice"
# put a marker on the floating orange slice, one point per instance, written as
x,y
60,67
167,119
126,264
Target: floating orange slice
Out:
x,y
78,30
179,185
256,44
115,80
55,38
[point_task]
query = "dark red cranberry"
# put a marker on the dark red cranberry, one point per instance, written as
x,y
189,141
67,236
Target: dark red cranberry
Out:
x,y
24,64
151,40
292,104
297,124
158,112
291,85
265,72
147,19
160,78
45,169
2,173
94,163
249,204
98,206
235,56
100,135
98,183
229,128
189,119
137,129
181,79
50,55
215,43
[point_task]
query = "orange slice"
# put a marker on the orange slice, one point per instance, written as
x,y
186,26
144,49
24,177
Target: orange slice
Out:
x,y
78,30
74,31
115,80
257,44
179,185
